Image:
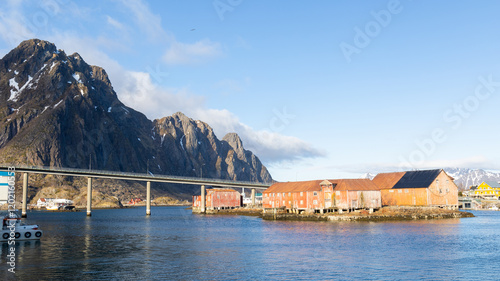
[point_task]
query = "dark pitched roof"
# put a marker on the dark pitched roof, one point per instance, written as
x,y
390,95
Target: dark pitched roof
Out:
x,y
417,179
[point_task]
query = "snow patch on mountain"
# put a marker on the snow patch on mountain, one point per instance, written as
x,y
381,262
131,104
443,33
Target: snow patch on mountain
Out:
x,y
465,178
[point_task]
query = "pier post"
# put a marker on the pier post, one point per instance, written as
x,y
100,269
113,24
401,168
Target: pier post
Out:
x,y
89,197
25,194
203,199
148,198
253,197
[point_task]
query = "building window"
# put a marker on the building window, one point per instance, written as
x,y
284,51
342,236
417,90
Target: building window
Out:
x,y
315,202
301,202
406,190
289,194
290,203
338,193
315,193
301,194
279,194
283,194
400,191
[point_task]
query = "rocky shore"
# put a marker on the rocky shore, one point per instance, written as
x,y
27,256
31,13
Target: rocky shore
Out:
x,y
383,214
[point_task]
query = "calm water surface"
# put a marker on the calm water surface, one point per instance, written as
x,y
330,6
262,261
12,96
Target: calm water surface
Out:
x,y
174,244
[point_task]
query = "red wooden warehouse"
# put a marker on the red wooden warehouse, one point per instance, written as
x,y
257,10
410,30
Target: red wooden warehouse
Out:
x,y
323,195
219,198
300,195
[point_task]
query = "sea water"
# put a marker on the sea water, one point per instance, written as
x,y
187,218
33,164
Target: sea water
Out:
x,y
173,244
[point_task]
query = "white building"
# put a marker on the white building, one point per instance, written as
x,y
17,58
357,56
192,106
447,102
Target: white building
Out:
x,y
48,202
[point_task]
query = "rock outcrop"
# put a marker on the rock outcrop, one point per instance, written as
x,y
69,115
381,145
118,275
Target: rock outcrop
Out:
x,y
58,111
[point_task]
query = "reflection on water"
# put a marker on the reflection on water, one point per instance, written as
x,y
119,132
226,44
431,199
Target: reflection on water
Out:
x,y
174,244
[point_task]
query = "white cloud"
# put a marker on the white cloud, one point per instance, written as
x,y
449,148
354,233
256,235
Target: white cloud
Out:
x,y
267,145
183,53
146,20
140,93
13,24
114,23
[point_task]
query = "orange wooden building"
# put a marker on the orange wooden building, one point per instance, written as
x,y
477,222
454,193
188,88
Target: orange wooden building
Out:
x,y
219,198
322,195
353,194
417,188
300,195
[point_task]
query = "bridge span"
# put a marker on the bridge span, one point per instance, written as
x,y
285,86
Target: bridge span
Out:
x,y
146,177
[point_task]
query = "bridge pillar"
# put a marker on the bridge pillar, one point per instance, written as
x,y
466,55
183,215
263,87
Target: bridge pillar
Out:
x,y
203,201
253,197
89,197
148,198
25,194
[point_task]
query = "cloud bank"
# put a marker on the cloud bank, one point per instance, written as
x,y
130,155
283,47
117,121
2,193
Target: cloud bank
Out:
x,y
143,90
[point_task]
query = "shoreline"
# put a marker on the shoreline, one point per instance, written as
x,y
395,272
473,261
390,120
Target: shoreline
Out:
x,y
84,208
383,214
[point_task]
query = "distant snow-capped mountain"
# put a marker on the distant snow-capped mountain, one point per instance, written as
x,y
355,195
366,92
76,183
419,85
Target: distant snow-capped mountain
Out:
x,y
464,178
368,176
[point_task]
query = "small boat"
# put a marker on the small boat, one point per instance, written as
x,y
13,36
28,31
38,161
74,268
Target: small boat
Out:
x,y
14,229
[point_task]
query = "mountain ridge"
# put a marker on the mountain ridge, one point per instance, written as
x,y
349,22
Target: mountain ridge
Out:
x,y
56,110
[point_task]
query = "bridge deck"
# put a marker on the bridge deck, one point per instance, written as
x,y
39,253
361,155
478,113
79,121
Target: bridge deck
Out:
x,y
134,176
149,177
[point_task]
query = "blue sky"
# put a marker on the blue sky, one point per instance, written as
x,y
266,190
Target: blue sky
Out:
x,y
322,89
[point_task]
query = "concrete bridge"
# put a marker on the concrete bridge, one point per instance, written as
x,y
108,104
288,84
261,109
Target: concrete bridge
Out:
x,y
148,178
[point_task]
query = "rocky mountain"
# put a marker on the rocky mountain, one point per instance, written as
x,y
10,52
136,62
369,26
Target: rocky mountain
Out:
x,y
56,110
465,178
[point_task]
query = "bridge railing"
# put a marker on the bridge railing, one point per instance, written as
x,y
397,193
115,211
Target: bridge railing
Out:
x,y
132,175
